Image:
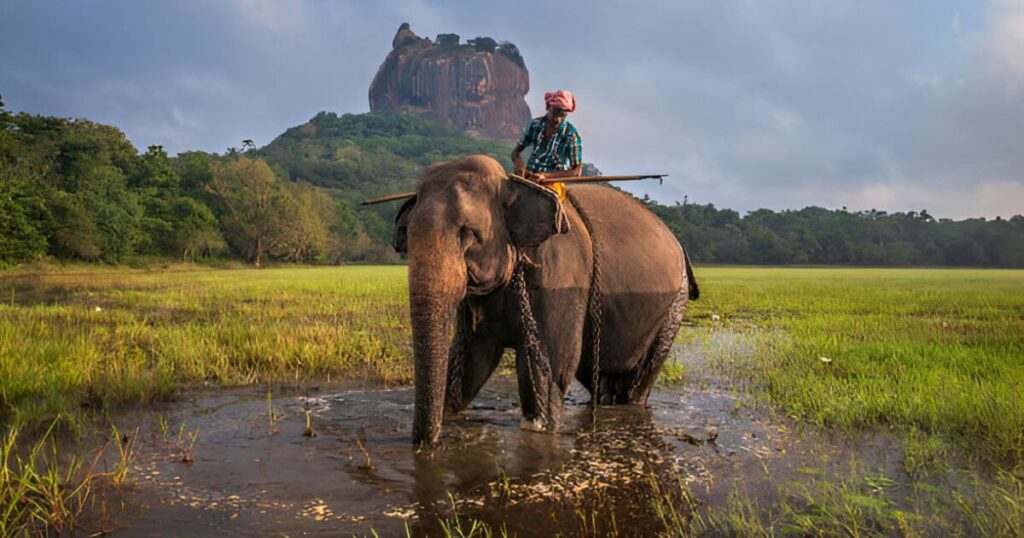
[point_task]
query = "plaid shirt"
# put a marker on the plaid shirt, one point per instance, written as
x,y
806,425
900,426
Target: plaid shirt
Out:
x,y
563,151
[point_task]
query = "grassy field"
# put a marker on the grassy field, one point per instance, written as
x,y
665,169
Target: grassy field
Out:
x,y
80,341
939,351
936,355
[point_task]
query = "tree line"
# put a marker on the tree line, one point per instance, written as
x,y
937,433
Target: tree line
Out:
x,y
78,190
814,235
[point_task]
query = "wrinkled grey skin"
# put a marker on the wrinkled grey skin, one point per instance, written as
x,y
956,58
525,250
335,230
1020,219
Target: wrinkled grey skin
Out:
x,y
461,232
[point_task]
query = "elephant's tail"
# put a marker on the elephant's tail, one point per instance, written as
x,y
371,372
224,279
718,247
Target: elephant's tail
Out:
x,y
691,281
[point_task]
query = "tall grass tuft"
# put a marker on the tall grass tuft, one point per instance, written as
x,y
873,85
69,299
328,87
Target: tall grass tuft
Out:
x,y
44,491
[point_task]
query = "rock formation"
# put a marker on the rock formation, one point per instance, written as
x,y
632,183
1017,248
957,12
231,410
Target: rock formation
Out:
x,y
477,87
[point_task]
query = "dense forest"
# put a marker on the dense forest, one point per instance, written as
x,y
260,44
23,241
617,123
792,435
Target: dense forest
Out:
x,y
815,235
77,190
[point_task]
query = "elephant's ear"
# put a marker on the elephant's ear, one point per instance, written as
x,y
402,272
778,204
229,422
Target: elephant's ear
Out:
x,y
532,212
401,242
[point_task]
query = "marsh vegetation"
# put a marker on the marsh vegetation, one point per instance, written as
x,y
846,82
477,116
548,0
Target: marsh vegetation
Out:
x,y
889,400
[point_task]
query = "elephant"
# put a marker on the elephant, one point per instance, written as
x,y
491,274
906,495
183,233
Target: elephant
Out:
x,y
600,274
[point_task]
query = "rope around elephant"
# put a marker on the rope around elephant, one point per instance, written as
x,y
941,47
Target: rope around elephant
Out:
x,y
537,364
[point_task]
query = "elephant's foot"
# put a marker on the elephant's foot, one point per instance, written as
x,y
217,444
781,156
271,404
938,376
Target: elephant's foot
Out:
x,y
532,425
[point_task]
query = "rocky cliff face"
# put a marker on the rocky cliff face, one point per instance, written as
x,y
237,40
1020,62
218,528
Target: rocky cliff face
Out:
x,y
478,87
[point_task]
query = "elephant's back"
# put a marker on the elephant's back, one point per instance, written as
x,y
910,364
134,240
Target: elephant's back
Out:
x,y
642,270
632,241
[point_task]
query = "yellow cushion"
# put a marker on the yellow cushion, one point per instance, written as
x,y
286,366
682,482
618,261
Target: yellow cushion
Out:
x,y
559,189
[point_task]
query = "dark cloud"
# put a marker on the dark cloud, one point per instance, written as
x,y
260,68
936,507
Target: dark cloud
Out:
x,y
894,105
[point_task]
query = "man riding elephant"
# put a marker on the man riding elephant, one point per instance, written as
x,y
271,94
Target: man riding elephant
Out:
x,y
601,305
557,149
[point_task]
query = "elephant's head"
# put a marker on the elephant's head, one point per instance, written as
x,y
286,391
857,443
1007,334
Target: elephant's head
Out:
x,y
461,232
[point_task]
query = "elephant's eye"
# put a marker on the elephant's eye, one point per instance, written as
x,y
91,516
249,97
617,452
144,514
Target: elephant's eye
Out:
x,y
468,237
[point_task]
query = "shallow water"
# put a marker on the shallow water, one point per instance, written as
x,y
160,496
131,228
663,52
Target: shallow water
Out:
x,y
359,471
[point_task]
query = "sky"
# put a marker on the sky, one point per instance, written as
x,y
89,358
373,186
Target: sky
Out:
x,y
867,104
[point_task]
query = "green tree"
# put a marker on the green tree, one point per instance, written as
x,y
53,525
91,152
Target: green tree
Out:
x,y
483,44
71,229
20,235
195,230
252,198
299,233
157,184
447,40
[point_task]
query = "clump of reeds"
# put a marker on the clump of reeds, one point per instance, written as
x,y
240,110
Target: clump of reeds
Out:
x,y
186,443
42,492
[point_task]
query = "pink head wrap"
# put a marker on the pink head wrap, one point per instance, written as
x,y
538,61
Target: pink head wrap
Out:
x,y
561,99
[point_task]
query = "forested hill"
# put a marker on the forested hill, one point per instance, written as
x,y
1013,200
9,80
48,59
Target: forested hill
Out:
x,y
365,155
361,156
76,190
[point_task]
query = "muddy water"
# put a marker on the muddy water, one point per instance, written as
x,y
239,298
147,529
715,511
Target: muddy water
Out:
x,y
357,471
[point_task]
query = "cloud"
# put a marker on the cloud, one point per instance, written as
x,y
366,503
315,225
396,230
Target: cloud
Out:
x,y
778,104
992,198
283,18
1003,48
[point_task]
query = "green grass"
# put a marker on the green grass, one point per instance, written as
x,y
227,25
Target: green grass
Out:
x,y
77,341
859,504
935,351
43,490
939,351
937,355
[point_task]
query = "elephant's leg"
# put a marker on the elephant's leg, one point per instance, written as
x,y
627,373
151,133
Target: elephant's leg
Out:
x,y
585,373
614,388
528,400
540,396
560,317
480,358
646,373
558,287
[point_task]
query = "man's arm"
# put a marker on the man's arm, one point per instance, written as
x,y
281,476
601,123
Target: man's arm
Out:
x,y
518,166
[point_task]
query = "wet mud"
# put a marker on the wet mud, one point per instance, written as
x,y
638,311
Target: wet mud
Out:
x,y
335,461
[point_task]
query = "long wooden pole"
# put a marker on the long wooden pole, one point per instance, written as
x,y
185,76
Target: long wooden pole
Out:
x,y
591,179
546,181
388,198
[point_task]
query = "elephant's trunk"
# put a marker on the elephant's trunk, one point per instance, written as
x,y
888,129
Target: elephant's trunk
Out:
x,y
437,282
